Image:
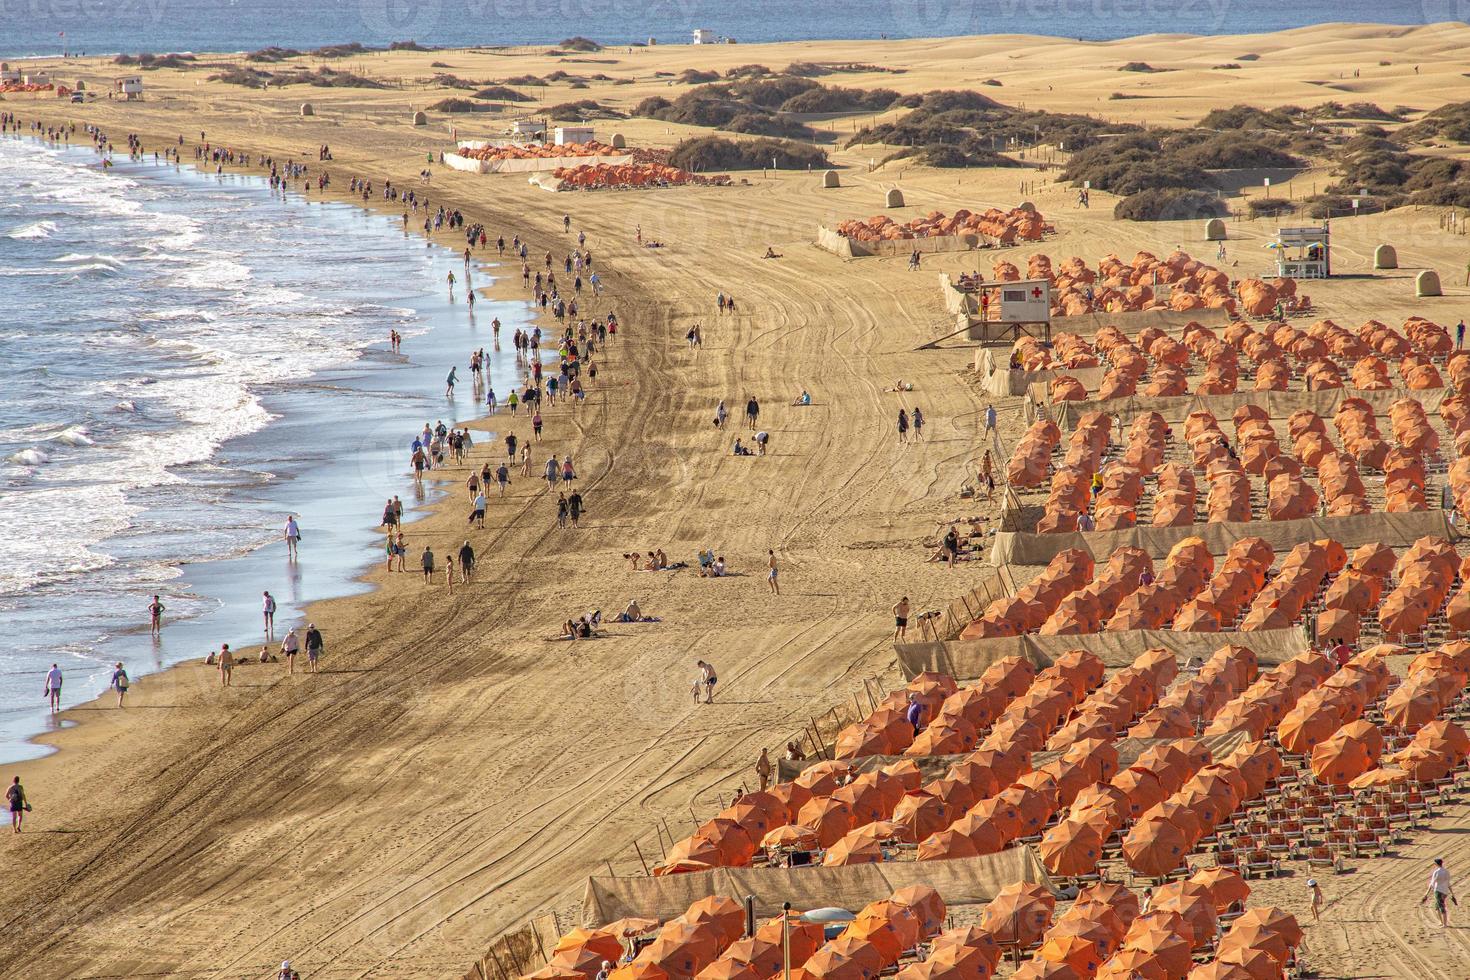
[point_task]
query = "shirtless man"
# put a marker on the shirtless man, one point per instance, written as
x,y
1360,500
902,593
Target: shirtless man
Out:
x,y
901,618
226,663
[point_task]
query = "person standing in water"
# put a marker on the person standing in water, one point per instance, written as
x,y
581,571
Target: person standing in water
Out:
x,y
268,612
450,380
53,687
155,617
292,534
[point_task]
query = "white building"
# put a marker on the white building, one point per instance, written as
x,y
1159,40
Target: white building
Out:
x,y
567,135
703,36
534,129
130,87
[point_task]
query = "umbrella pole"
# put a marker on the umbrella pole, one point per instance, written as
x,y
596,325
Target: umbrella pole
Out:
x,y
785,941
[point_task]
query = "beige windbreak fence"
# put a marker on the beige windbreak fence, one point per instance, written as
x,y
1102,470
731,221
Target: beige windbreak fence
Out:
x,y
959,881
966,660
1395,530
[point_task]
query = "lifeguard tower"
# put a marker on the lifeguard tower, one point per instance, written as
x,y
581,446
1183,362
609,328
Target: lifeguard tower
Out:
x,y
1004,311
129,88
1303,253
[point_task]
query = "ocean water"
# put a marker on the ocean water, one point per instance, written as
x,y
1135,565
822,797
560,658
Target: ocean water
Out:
x,y
43,27
187,357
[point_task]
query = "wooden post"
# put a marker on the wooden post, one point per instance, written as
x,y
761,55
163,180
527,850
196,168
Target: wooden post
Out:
x,y
857,705
609,869
640,859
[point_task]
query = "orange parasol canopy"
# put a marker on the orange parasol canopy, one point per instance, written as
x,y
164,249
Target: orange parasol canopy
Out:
x,y
798,836
1258,963
988,836
1171,948
1155,848
1133,964
1018,915
1143,789
639,969
1114,895
1044,969
557,971
1275,919
854,848
969,937
920,815
1220,971
604,943
681,949
1226,886
1180,816
1194,903
830,818
925,903
803,938
1076,951
1253,935
945,844
1340,760
1071,848
730,969
725,915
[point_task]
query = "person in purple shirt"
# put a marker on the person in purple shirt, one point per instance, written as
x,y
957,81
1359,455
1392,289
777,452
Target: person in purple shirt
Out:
x,y
915,714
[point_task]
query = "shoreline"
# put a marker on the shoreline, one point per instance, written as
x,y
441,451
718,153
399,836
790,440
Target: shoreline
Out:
x,y
361,375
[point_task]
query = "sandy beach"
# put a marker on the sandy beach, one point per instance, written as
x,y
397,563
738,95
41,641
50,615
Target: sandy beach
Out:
x,y
453,771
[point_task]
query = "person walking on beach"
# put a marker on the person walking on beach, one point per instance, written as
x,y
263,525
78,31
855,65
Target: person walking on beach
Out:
x,y
155,617
450,380
562,509
268,611
15,802
990,420
313,646
721,414
1314,891
771,572
917,419
574,507
466,560
553,472
290,646
451,287
119,682
901,618
427,561
763,769
707,680
53,687
1442,890
226,664
903,426
752,412
292,534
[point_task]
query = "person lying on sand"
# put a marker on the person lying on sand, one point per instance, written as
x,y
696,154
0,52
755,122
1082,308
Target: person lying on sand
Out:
x,y
771,253
901,385
633,614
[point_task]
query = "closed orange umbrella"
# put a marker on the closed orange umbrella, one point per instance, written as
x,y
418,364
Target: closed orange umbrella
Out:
x,y
1260,964
1115,896
803,938
988,836
821,777
925,902
1160,920
1276,920
1211,810
859,951
1180,816
945,844
1007,765
1339,761
681,949
1034,807
1220,971
1071,848
639,969
762,956
864,800
967,937
1194,903
1044,969
958,793
796,836
725,915
879,933
1100,753
1155,848
1217,784
853,848
1226,886
1170,948
1380,777
604,943
729,969
1253,935
831,819
1003,812
558,971
1306,726
965,962
583,962
1018,915
1133,964
1078,952
1142,789
827,964
920,815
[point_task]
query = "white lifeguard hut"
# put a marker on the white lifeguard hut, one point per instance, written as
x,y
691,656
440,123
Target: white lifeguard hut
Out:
x,y
703,35
528,129
1005,310
8,74
1303,253
572,135
129,87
